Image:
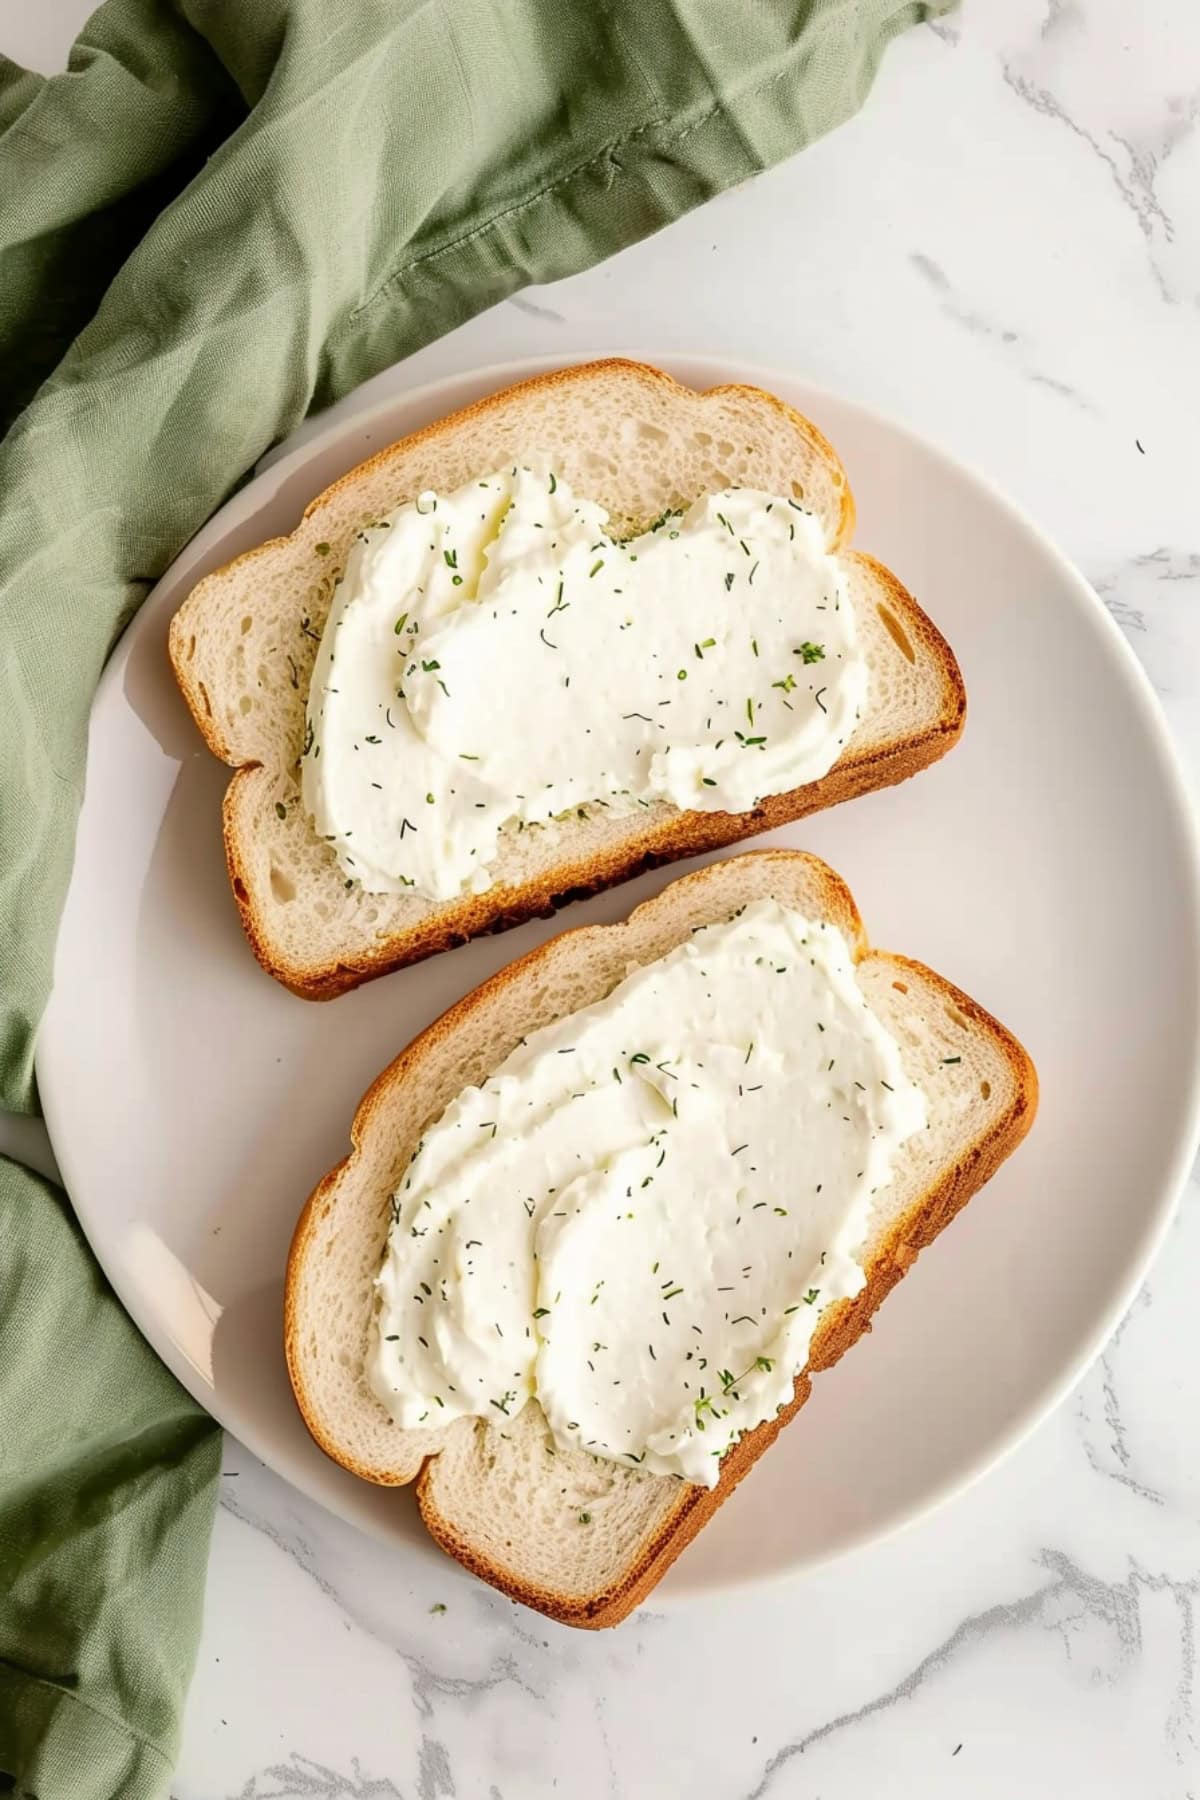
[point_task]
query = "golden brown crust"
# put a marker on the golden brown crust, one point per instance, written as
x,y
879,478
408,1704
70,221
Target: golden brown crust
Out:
x,y
681,835
841,1328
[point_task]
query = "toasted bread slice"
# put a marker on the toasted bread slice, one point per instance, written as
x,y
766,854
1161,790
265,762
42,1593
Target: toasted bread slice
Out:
x,y
243,643
491,1496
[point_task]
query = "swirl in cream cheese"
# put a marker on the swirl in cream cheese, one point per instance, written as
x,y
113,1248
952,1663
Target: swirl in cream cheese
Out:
x,y
495,660
643,1214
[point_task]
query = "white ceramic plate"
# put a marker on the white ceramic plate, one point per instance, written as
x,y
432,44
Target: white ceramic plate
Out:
x,y
1047,866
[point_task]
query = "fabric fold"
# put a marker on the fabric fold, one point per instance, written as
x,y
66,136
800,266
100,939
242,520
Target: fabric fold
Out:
x,y
108,1476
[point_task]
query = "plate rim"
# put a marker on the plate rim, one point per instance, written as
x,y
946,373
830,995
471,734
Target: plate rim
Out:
x,y
282,462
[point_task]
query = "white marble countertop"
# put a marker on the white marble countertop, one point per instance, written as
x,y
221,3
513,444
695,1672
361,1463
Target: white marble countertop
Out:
x,y
1004,250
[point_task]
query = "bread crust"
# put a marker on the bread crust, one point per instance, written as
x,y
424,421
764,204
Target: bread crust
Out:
x,y
682,834
843,1324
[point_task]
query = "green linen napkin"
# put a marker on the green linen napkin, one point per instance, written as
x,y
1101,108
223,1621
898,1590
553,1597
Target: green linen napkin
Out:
x,y
222,217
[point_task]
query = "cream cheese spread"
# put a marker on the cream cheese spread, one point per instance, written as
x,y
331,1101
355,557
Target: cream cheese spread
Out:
x,y
494,659
642,1215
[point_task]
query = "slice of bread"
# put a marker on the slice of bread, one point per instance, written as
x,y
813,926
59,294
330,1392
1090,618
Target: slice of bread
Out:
x,y
242,646
494,1498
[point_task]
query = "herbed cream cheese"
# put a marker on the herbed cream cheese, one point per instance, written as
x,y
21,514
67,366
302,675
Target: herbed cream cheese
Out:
x,y
641,1216
494,659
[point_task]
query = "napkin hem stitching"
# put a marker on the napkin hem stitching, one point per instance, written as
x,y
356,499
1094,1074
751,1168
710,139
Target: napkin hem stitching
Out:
x,y
550,188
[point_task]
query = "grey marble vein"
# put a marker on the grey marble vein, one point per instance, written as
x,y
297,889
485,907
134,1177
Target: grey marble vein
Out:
x,y
428,1684
1120,1448
1008,1615
1181,1721
1166,564
1164,567
978,323
1117,1464
1136,185
300,1778
434,1780
1061,1605
613,1782
1128,617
